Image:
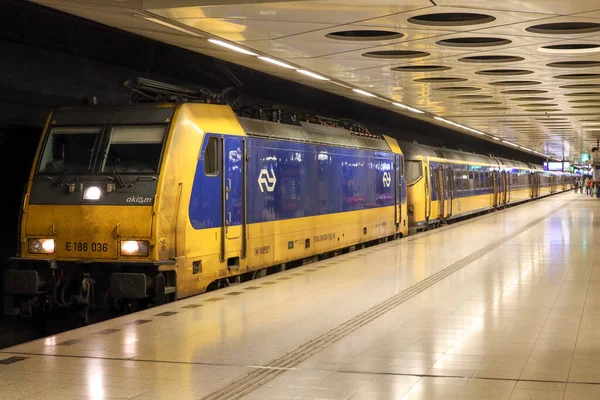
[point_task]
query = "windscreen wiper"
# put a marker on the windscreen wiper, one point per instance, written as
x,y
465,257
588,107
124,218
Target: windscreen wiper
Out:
x,y
71,168
117,174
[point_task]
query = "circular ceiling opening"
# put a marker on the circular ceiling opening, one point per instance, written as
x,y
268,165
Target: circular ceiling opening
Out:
x,y
482,103
458,89
440,80
473,42
542,110
490,59
578,76
515,83
582,94
581,86
451,19
532,98
572,48
524,91
588,106
538,105
562,28
574,64
553,119
504,72
585,101
471,96
394,54
364,35
421,68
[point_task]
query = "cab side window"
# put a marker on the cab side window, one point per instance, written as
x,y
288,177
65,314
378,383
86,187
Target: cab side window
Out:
x,y
211,157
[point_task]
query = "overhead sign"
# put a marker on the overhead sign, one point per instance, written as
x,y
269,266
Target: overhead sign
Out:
x,y
585,157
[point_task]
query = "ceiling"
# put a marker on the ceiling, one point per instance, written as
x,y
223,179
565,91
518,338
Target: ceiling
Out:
x,y
520,73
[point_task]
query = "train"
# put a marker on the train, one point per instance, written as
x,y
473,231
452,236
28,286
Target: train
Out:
x,y
149,203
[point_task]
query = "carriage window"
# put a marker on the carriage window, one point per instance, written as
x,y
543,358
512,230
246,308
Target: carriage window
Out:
x,y
414,171
211,157
471,180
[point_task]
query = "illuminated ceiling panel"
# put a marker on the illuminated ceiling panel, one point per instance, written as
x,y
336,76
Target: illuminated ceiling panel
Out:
x,y
526,72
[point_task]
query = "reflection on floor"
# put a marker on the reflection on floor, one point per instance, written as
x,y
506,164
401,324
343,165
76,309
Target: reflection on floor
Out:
x,y
506,306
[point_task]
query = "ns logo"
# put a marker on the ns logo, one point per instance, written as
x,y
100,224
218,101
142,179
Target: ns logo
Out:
x,y
387,179
267,180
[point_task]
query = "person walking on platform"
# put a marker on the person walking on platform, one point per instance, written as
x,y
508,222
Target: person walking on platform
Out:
x,y
592,187
575,185
581,185
587,186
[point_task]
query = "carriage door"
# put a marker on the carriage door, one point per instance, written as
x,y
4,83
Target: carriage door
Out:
x,y
427,191
504,188
397,191
495,187
441,192
449,186
508,186
233,213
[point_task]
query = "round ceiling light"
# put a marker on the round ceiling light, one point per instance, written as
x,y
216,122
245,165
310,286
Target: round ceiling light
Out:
x,y
491,59
515,83
421,68
578,76
574,64
504,72
364,35
395,54
582,94
564,28
542,110
532,98
537,105
473,42
581,86
451,19
524,91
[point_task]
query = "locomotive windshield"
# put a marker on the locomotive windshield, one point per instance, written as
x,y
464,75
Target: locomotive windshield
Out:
x,y
134,149
104,150
69,148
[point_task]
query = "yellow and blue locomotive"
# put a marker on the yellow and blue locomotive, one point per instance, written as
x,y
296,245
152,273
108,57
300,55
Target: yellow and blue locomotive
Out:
x,y
164,201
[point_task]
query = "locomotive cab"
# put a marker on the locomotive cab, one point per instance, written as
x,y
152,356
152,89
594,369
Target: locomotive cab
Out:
x,y
89,210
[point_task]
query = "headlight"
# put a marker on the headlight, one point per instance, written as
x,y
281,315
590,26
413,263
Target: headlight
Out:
x,y
41,246
134,248
92,193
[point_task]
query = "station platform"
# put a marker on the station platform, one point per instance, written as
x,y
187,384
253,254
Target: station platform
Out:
x,y
503,306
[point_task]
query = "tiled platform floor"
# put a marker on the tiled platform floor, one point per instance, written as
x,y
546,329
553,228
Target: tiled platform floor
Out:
x,y
516,317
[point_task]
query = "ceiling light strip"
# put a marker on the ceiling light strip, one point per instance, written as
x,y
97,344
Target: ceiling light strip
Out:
x,y
276,62
364,93
231,47
409,108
